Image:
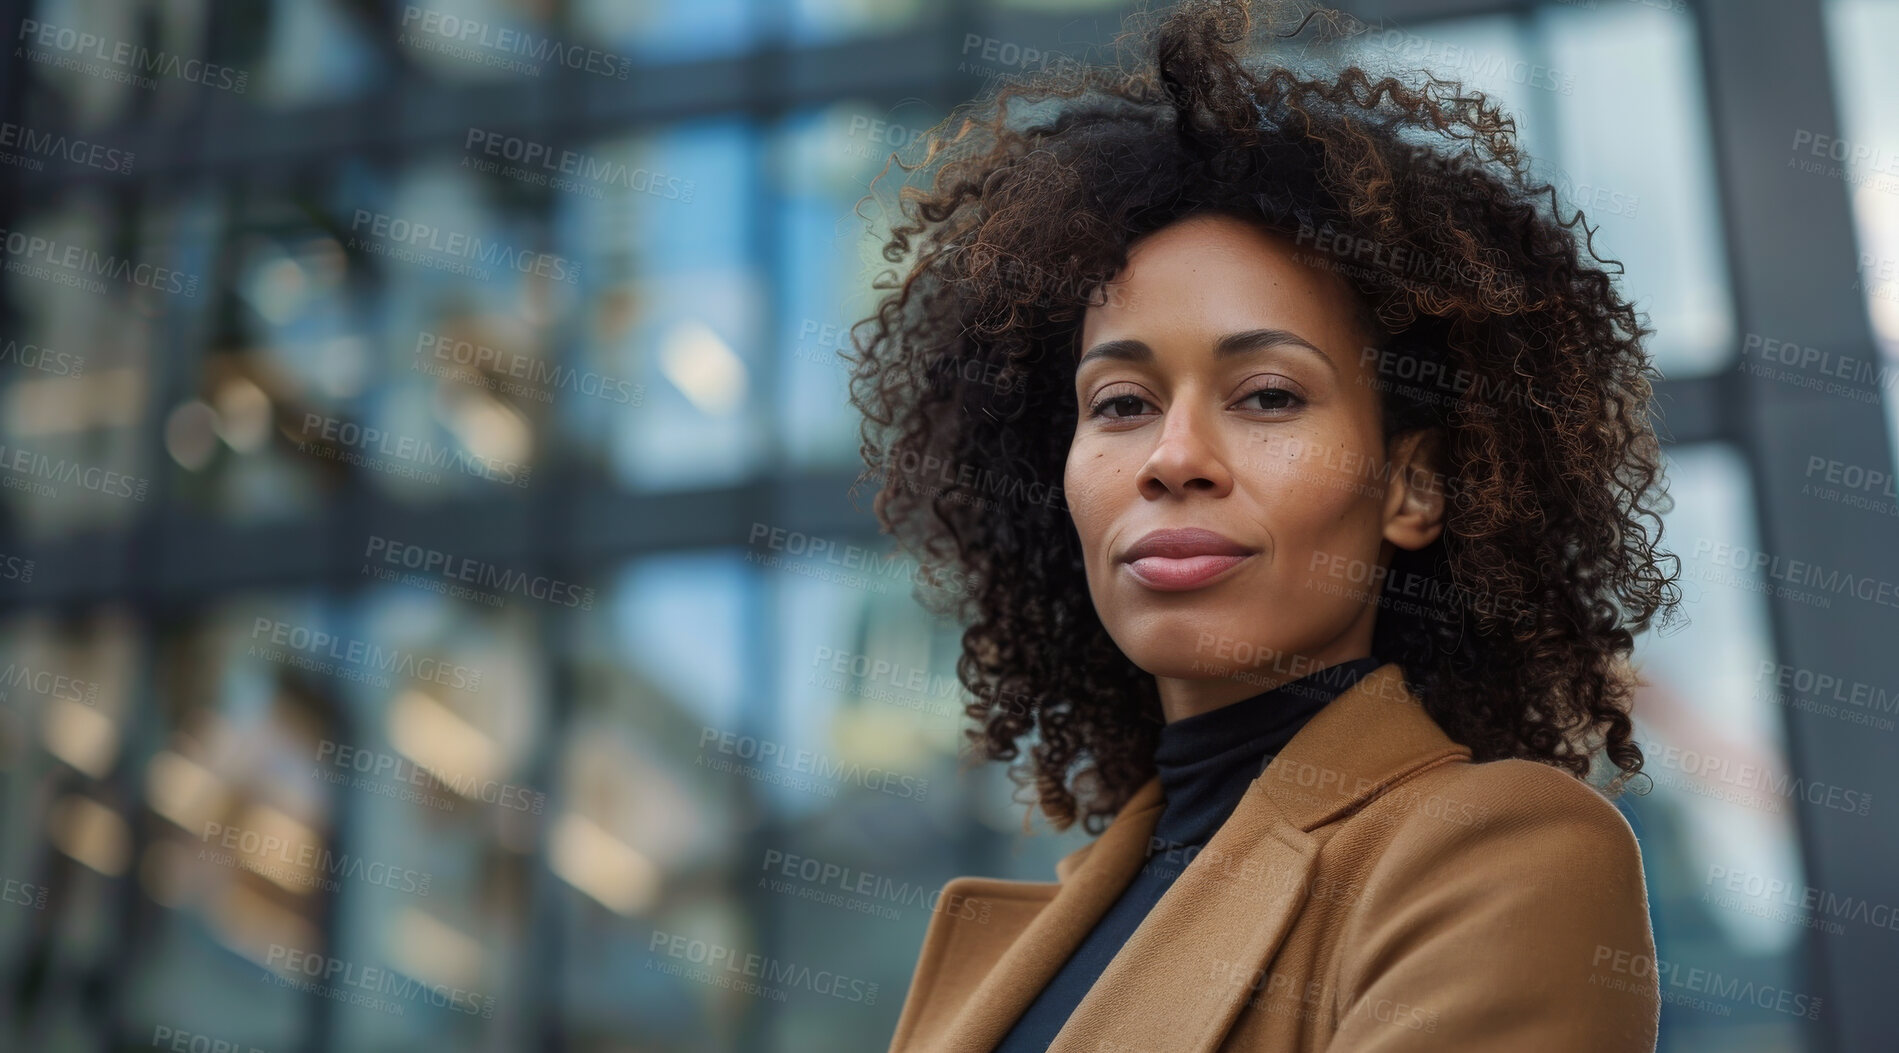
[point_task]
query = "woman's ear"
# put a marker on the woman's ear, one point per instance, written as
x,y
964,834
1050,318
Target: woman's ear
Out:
x,y
1417,488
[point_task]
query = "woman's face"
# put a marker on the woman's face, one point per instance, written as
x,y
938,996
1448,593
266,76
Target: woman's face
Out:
x,y
1225,399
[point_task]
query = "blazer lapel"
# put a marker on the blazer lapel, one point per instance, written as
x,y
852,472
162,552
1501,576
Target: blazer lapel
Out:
x,y
1092,878
1183,976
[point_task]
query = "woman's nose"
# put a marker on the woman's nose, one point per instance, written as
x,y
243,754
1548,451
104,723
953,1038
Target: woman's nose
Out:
x,y
1186,456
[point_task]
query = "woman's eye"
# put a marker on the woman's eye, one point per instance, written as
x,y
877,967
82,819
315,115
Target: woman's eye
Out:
x,y
1119,406
1273,399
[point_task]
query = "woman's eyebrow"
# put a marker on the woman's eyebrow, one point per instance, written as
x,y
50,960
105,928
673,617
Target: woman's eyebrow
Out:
x,y
1230,344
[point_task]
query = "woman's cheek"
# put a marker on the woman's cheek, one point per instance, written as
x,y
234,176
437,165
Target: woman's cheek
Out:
x,y
1086,505
1316,520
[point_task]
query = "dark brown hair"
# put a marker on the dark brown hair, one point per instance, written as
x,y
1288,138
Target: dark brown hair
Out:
x,y
1498,323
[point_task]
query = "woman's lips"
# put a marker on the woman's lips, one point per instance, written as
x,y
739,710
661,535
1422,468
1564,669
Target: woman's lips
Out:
x,y
1179,574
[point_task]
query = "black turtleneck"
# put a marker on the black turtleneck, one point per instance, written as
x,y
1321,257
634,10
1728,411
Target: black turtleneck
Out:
x,y
1205,763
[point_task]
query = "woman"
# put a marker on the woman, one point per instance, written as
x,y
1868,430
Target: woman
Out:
x,y
1328,619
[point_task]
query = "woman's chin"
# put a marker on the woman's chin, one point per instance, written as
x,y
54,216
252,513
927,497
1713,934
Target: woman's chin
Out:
x,y
1189,649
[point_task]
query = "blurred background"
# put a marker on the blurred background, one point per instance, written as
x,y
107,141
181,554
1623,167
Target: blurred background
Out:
x,y
423,512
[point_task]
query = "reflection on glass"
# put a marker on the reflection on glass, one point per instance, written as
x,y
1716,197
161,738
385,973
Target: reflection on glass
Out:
x,y
653,32
1866,90
298,350
435,390
75,373
866,681
1057,5
1721,816
348,784
644,830
825,162
1649,183
1571,75
820,21
465,261
480,40
91,62
661,227
317,51
70,703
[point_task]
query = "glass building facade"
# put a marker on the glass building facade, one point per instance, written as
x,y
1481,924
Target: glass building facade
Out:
x,y
427,461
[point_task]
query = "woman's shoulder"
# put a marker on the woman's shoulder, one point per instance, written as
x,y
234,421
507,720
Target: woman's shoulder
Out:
x,y
1514,784
1512,807
1501,895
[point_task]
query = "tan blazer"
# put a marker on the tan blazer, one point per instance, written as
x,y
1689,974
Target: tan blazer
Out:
x,y
1374,892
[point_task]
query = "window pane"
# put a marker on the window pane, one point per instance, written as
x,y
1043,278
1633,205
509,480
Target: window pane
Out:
x,y
298,346
674,306
645,833
96,65
818,21
1570,75
1866,90
1711,723
478,40
866,684
90,293
306,52
1649,183
339,783
656,31
825,162
453,253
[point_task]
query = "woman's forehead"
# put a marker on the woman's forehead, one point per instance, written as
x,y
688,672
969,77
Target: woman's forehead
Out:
x,y
1226,274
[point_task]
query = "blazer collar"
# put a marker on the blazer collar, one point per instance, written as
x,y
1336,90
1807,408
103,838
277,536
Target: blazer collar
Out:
x,y
1180,980
1374,734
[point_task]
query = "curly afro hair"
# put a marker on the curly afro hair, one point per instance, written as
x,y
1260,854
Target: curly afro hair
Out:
x,y
1498,323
